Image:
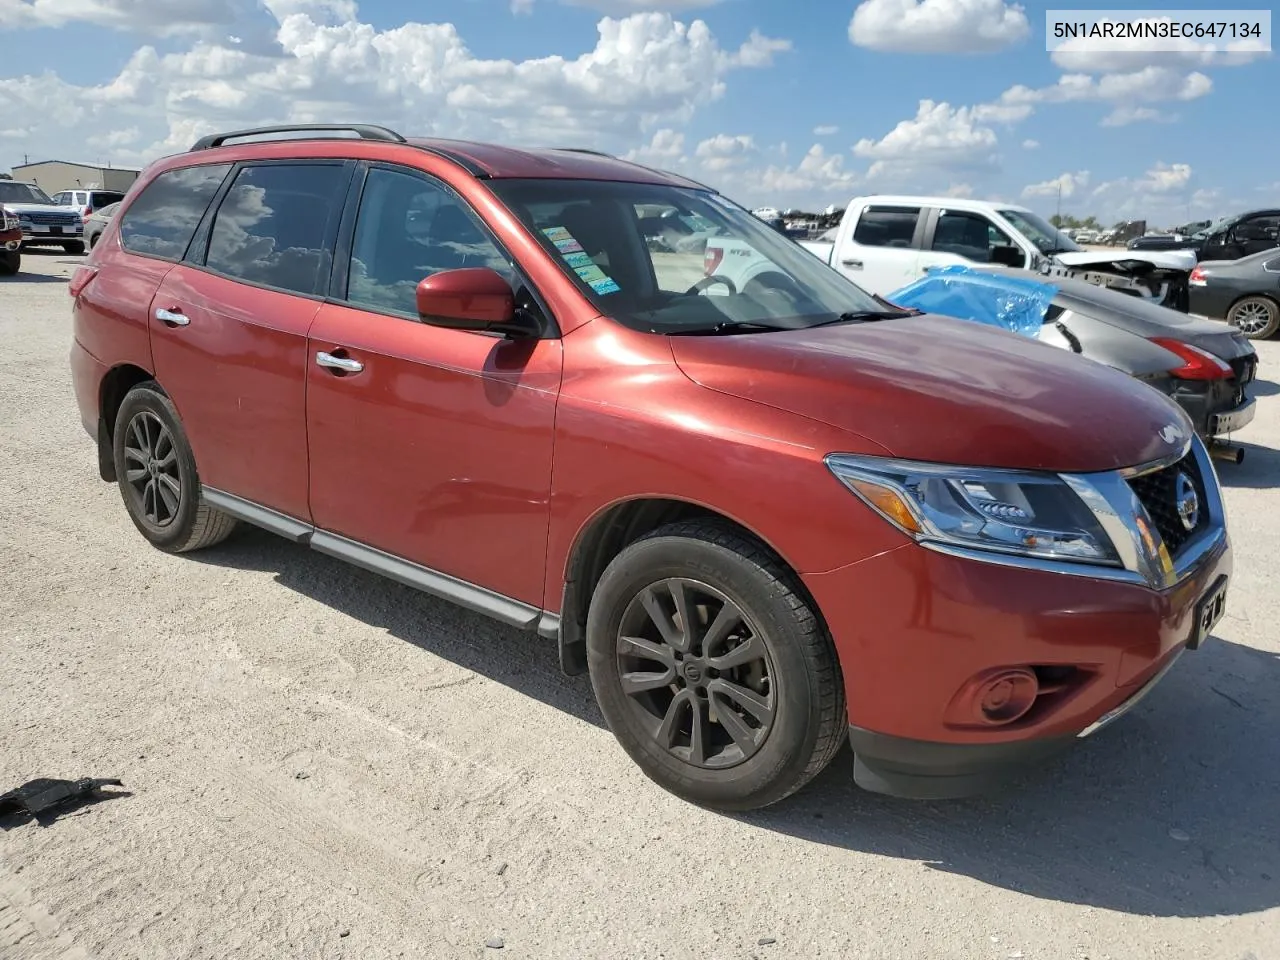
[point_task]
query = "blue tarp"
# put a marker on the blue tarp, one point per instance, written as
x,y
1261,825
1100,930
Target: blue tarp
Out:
x,y
1011,303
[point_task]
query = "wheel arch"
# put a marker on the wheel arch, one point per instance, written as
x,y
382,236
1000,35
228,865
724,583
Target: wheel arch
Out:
x,y
606,534
115,386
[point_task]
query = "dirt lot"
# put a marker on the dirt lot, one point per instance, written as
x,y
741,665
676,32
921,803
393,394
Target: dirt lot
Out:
x,y
326,765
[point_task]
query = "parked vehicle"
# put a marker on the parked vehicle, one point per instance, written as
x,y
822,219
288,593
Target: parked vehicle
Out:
x,y
43,222
10,243
1126,231
1202,366
87,202
1228,239
762,518
1086,236
884,243
97,222
1244,292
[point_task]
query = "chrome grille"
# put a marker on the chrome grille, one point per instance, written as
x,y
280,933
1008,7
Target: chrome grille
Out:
x,y
1158,492
54,219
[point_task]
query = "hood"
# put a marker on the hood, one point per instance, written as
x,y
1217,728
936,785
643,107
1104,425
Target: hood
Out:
x,y
948,391
40,208
1164,259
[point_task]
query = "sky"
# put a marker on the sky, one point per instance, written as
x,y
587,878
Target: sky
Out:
x,y
786,103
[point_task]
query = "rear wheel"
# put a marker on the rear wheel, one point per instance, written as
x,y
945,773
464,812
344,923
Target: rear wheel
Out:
x,y
1256,317
75,247
10,262
711,668
156,472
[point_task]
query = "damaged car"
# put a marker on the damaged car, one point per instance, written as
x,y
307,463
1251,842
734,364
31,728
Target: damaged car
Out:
x,y
1203,366
884,242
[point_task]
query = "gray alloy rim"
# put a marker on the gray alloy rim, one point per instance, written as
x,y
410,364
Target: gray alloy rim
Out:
x,y
1253,317
697,673
151,469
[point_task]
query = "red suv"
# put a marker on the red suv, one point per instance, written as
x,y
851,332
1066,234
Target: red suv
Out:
x,y
764,519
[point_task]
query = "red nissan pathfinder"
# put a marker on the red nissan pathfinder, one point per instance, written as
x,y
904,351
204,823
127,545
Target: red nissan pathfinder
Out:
x,y
765,520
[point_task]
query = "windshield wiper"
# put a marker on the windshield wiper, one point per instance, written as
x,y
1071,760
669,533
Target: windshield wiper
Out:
x,y
728,326
865,316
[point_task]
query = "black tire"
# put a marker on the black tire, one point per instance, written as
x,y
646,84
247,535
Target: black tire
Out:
x,y
190,523
74,247
1262,313
809,720
93,241
10,263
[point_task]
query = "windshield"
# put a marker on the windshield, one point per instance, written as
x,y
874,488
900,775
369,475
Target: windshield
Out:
x,y
1047,238
1219,227
734,274
14,192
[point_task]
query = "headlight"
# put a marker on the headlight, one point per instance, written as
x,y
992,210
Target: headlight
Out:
x,y
1006,511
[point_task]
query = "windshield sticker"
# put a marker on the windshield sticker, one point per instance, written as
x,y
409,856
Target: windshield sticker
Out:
x,y
577,259
557,233
581,262
604,285
568,246
589,273
562,239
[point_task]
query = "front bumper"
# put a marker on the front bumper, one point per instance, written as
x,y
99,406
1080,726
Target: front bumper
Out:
x,y
916,631
38,234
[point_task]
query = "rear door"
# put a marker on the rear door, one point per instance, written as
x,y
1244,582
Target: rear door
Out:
x,y
229,326
435,446
881,251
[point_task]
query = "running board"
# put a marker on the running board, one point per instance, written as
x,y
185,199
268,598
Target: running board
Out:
x,y
473,597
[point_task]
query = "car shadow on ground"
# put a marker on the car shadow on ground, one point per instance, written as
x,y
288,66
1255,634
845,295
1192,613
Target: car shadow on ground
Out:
x,y
1260,469
23,276
1169,812
1263,388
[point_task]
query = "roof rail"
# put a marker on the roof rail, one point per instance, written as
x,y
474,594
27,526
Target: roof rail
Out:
x,y
363,131
594,153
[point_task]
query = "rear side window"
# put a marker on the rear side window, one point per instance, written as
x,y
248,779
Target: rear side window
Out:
x,y
886,226
162,219
274,224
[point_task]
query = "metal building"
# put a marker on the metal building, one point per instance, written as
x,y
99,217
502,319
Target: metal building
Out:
x,y
53,176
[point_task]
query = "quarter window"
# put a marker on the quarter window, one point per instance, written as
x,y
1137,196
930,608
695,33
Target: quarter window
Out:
x,y
886,226
162,219
408,228
274,224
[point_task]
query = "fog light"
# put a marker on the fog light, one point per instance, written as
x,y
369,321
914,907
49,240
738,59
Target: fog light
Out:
x,y
1006,696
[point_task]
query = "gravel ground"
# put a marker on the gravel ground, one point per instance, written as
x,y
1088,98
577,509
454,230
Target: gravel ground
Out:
x,y
322,764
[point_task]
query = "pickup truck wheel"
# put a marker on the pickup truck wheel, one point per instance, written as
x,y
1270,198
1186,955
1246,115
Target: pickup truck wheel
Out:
x,y
711,668
75,247
1256,317
156,472
10,262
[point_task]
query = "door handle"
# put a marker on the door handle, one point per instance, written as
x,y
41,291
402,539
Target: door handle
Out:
x,y
174,318
345,364
856,264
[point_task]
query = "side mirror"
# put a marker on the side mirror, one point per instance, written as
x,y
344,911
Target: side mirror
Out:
x,y
1008,256
473,298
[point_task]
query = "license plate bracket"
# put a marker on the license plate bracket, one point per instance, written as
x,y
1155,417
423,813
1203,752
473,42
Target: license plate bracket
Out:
x,y
55,231
1209,610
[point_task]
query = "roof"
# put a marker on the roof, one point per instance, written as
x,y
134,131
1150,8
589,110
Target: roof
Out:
x,y
76,163
951,203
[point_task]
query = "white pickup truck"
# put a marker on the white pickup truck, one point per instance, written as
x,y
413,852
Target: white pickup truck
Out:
x,y
885,242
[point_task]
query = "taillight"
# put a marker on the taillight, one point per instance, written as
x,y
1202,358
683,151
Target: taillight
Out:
x,y
80,279
1197,364
711,258
1197,278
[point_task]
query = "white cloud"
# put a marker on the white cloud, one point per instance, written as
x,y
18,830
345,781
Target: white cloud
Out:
x,y
664,148
819,179
959,190
1149,84
1162,195
1123,116
825,131
1067,183
723,151
938,26
646,72
162,17
1163,179
624,7
1030,144
940,139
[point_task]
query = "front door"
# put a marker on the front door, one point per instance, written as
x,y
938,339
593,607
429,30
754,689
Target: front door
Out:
x,y
229,328
965,237
430,444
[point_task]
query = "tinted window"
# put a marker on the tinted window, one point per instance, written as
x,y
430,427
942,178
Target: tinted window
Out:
x,y
273,225
968,235
886,226
409,228
161,220
1265,227
100,198
61,199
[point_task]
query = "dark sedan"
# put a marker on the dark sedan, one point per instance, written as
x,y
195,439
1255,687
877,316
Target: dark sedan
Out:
x,y
1244,292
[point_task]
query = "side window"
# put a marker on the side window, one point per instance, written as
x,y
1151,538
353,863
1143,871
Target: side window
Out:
x,y
1259,229
969,235
886,226
61,199
408,228
161,220
272,226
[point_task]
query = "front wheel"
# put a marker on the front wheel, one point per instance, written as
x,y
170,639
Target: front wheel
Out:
x,y
10,263
157,475
1256,317
711,668
74,247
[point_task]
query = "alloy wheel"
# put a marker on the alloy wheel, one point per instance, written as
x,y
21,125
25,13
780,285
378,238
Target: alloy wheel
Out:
x,y
697,673
1253,316
152,473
